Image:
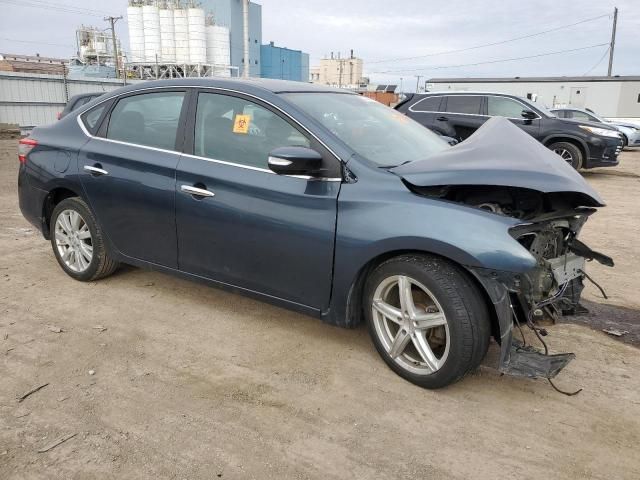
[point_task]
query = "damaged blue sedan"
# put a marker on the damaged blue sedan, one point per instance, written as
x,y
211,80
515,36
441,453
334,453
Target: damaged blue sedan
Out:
x,y
325,202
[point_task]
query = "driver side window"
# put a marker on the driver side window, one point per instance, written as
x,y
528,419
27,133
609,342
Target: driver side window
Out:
x,y
236,130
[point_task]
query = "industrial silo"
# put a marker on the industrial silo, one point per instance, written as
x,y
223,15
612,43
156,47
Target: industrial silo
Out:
x,y
167,36
197,36
136,32
219,49
151,23
181,35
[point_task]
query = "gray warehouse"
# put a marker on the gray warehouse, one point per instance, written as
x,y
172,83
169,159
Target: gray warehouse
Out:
x,y
611,97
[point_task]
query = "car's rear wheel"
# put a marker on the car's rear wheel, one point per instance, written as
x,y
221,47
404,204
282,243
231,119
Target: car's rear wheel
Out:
x,y
569,153
77,241
427,319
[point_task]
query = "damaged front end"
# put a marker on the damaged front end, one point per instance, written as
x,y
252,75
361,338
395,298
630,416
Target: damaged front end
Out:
x,y
550,225
504,171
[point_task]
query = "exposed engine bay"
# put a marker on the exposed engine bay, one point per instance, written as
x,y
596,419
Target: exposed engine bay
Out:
x,y
551,223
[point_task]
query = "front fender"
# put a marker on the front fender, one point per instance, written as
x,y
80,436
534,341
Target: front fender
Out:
x,y
380,216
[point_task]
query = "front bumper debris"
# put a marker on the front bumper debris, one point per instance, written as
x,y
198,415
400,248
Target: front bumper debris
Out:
x,y
527,361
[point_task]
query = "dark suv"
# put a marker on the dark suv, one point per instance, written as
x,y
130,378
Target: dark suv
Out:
x,y
459,114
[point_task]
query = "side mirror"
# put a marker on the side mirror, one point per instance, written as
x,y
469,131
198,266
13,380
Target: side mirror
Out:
x,y
294,161
529,114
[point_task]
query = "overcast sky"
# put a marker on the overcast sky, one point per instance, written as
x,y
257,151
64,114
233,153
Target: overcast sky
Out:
x,y
380,30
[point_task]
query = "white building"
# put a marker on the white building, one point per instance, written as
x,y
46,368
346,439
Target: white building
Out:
x,y
611,97
338,72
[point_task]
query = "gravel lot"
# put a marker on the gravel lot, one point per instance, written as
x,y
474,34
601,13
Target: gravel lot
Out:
x,y
192,382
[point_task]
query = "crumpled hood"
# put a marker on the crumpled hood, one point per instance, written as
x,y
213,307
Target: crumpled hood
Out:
x,y
499,153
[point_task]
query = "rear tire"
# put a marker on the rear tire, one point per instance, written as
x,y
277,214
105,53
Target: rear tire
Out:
x,y
569,153
77,241
445,333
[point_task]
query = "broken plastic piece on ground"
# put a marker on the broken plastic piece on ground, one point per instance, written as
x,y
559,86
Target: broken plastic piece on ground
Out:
x,y
527,361
615,332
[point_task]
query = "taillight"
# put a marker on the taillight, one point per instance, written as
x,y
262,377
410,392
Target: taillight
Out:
x,y
59,115
24,147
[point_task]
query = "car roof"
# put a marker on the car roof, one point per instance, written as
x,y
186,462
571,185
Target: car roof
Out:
x,y
246,85
574,108
468,92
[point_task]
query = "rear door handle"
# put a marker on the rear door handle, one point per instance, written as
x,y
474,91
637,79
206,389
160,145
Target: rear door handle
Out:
x,y
442,119
95,170
198,192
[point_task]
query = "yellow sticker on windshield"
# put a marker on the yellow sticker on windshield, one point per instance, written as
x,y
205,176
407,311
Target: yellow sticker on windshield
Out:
x,y
241,124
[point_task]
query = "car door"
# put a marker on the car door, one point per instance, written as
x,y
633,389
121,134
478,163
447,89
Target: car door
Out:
x,y
243,225
425,110
128,173
510,108
463,114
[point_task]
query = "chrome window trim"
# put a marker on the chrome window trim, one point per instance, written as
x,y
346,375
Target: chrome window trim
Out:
x,y
473,114
219,89
264,170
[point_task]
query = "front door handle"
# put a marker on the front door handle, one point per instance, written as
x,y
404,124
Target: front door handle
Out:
x,y
442,119
96,171
197,192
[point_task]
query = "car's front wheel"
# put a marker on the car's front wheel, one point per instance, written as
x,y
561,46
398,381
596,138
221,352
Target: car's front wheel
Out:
x,y
427,319
569,153
77,241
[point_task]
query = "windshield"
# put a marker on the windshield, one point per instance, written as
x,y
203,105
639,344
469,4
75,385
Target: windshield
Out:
x,y
378,133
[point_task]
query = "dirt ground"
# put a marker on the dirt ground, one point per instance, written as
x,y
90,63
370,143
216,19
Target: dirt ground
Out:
x,y
159,377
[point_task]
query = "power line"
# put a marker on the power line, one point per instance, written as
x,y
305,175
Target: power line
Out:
x,y
501,42
54,7
598,62
440,67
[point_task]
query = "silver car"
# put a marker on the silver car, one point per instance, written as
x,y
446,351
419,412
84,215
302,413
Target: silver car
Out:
x,y
630,132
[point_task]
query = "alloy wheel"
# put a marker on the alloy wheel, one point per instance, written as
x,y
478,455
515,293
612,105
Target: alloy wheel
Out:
x,y
73,241
565,154
411,324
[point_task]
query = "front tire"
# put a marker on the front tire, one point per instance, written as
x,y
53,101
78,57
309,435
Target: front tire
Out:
x,y
427,319
77,242
569,153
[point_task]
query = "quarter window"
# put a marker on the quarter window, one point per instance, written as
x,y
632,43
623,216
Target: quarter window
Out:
x,y
504,107
150,119
239,131
464,104
92,117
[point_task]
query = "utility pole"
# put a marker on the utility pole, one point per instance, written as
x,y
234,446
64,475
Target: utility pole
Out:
x,y
613,40
418,77
112,21
245,35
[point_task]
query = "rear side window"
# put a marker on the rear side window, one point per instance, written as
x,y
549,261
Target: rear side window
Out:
x,y
150,119
428,104
560,113
582,116
464,104
239,131
504,107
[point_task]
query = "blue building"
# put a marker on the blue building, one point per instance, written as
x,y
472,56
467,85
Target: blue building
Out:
x,y
228,13
284,63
